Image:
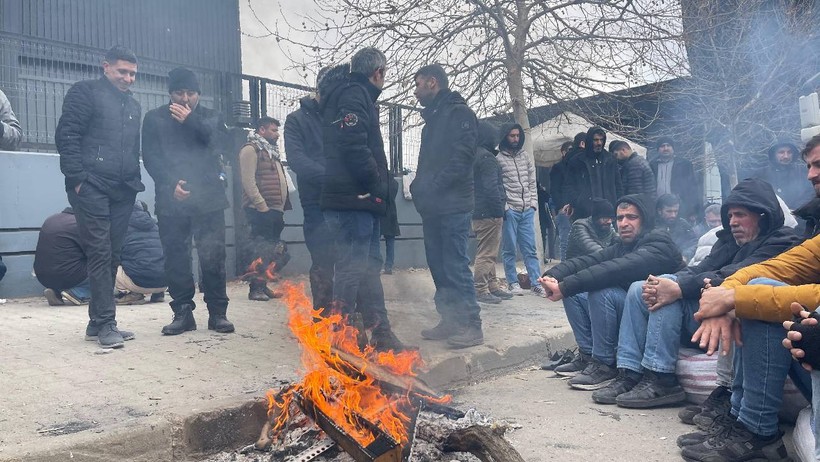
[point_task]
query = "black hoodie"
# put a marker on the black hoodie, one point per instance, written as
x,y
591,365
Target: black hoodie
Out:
x,y
789,180
489,188
303,141
443,184
590,175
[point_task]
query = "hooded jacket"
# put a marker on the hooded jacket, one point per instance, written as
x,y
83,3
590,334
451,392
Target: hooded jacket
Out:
x,y
585,238
789,180
142,257
490,195
590,175
726,257
517,171
303,141
621,264
355,163
59,259
449,138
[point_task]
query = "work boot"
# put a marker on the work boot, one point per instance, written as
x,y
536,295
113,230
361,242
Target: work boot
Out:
x,y
92,332
219,322
718,403
655,390
445,329
574,367
469,337
626,381
130,298
109,337
257,293
183,321
737,443
157,297
384,340
53,298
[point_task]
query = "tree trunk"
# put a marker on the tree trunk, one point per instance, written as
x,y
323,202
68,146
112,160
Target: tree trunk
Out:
x,y
483,443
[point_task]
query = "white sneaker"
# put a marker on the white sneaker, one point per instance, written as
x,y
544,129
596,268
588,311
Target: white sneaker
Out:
x,y
515,289
539,291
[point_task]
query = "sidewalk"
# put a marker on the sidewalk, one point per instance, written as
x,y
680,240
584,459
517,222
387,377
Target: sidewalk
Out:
x,y
165,398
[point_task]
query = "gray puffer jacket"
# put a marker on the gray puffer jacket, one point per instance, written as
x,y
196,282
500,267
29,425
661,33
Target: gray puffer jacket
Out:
x,y
518,172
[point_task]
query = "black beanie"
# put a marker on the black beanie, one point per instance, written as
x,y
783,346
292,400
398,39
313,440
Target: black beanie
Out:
x,y
182,79
602,208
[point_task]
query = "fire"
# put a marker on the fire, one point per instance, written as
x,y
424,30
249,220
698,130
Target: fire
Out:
x,y
256,265
341,396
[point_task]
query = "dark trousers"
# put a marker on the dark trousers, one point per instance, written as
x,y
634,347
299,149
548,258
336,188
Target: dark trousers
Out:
x,y
445,244
102,220
547,225
265,226
357,284
319,243
389,252
208,231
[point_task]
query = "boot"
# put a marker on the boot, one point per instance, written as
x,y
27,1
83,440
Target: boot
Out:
x,y
445,329
109,337
355,320
219,322
273,293
469,337
257,292
183,321
384,340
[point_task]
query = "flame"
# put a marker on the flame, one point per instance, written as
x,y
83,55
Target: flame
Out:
x,y
338,395
255,269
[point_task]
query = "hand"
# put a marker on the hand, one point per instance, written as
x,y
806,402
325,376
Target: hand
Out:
x,y
567,210
263,208
714,302
793,336
179,112
180,193
551,287
721,330
658,292
77,188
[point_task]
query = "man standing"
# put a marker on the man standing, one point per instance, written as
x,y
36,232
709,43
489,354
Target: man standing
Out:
x,y
675,175
787,175
264,197
557,178
444,197
98,141
354,192
10,131
636,175
591,173
180,154
518,173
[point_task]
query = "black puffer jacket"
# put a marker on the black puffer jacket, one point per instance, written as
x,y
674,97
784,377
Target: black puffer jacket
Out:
x,y
590,175
59,259
811,213
142,257
637,176
188,151
355,164
621,264
789,181
726,256
489,188
448,149
98,137
585,238
303,141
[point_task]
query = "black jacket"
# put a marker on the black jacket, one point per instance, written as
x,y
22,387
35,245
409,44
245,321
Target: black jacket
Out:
x,y
448,149
557,174
683,236
389,225
637,176
684,183
59,259
490,196
303,141
590,175
585,238
811,213
142,257
789,181
726,256
621,264
355,164
98,137
188,151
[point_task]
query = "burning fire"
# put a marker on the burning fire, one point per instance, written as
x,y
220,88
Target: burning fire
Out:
x,y
339,395
253,269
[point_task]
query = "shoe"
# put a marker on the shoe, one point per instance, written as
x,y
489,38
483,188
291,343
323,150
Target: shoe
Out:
x,y
627,379
596,375
388,271
130,298
386,340
515,289
654,390
158,297
273,293
220,323
72,299
469,337
444,330
92,332
488,298
737,443
502,294
183,321
258,294
109,337
539,291
688,413
718,403
559,358
574,367
53,298
718,425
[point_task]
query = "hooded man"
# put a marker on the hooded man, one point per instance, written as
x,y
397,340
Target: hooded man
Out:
x,y
519,179
589,235
675,175
659,311
592,173
786,172
594,289
558,175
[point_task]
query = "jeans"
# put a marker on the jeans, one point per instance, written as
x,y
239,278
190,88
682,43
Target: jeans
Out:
x,y
81,291
651,339
519,231
564,225
761,367
102,219
177,234
725,369
357,286
594,318
445,245
389,252
319,243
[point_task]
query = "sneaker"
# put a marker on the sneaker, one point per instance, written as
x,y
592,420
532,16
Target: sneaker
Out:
x,y
130,298
469,337
92,332
736,443
718,425
596,375
627,379
72,299
502,294
559,358
443,330
539,291
515,289
109,337
53,298
718,403
158,297
654,390
488,298
574,367
688,413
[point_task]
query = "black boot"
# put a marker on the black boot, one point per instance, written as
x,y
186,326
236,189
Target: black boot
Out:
x,y
183,321
219,322
445,329
384,340
257,292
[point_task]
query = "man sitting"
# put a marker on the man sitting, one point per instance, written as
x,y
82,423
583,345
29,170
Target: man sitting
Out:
x,y
594,288
142,269
668,209
59,260
589,235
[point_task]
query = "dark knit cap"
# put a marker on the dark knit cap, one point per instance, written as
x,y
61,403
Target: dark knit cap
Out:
x,y
182,79
602,208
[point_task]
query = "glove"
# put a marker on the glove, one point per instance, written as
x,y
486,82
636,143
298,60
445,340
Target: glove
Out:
x,y
809,343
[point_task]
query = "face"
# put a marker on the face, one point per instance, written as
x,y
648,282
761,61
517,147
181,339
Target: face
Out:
x,y
669,214
513,137
666,150
629,223
713,220
784,155
120,73
598,142
425,90
744,224
270,133
189,98
813,162
623,153
604,223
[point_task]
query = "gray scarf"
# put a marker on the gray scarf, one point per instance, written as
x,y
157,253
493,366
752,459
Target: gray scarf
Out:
x,y
262,144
